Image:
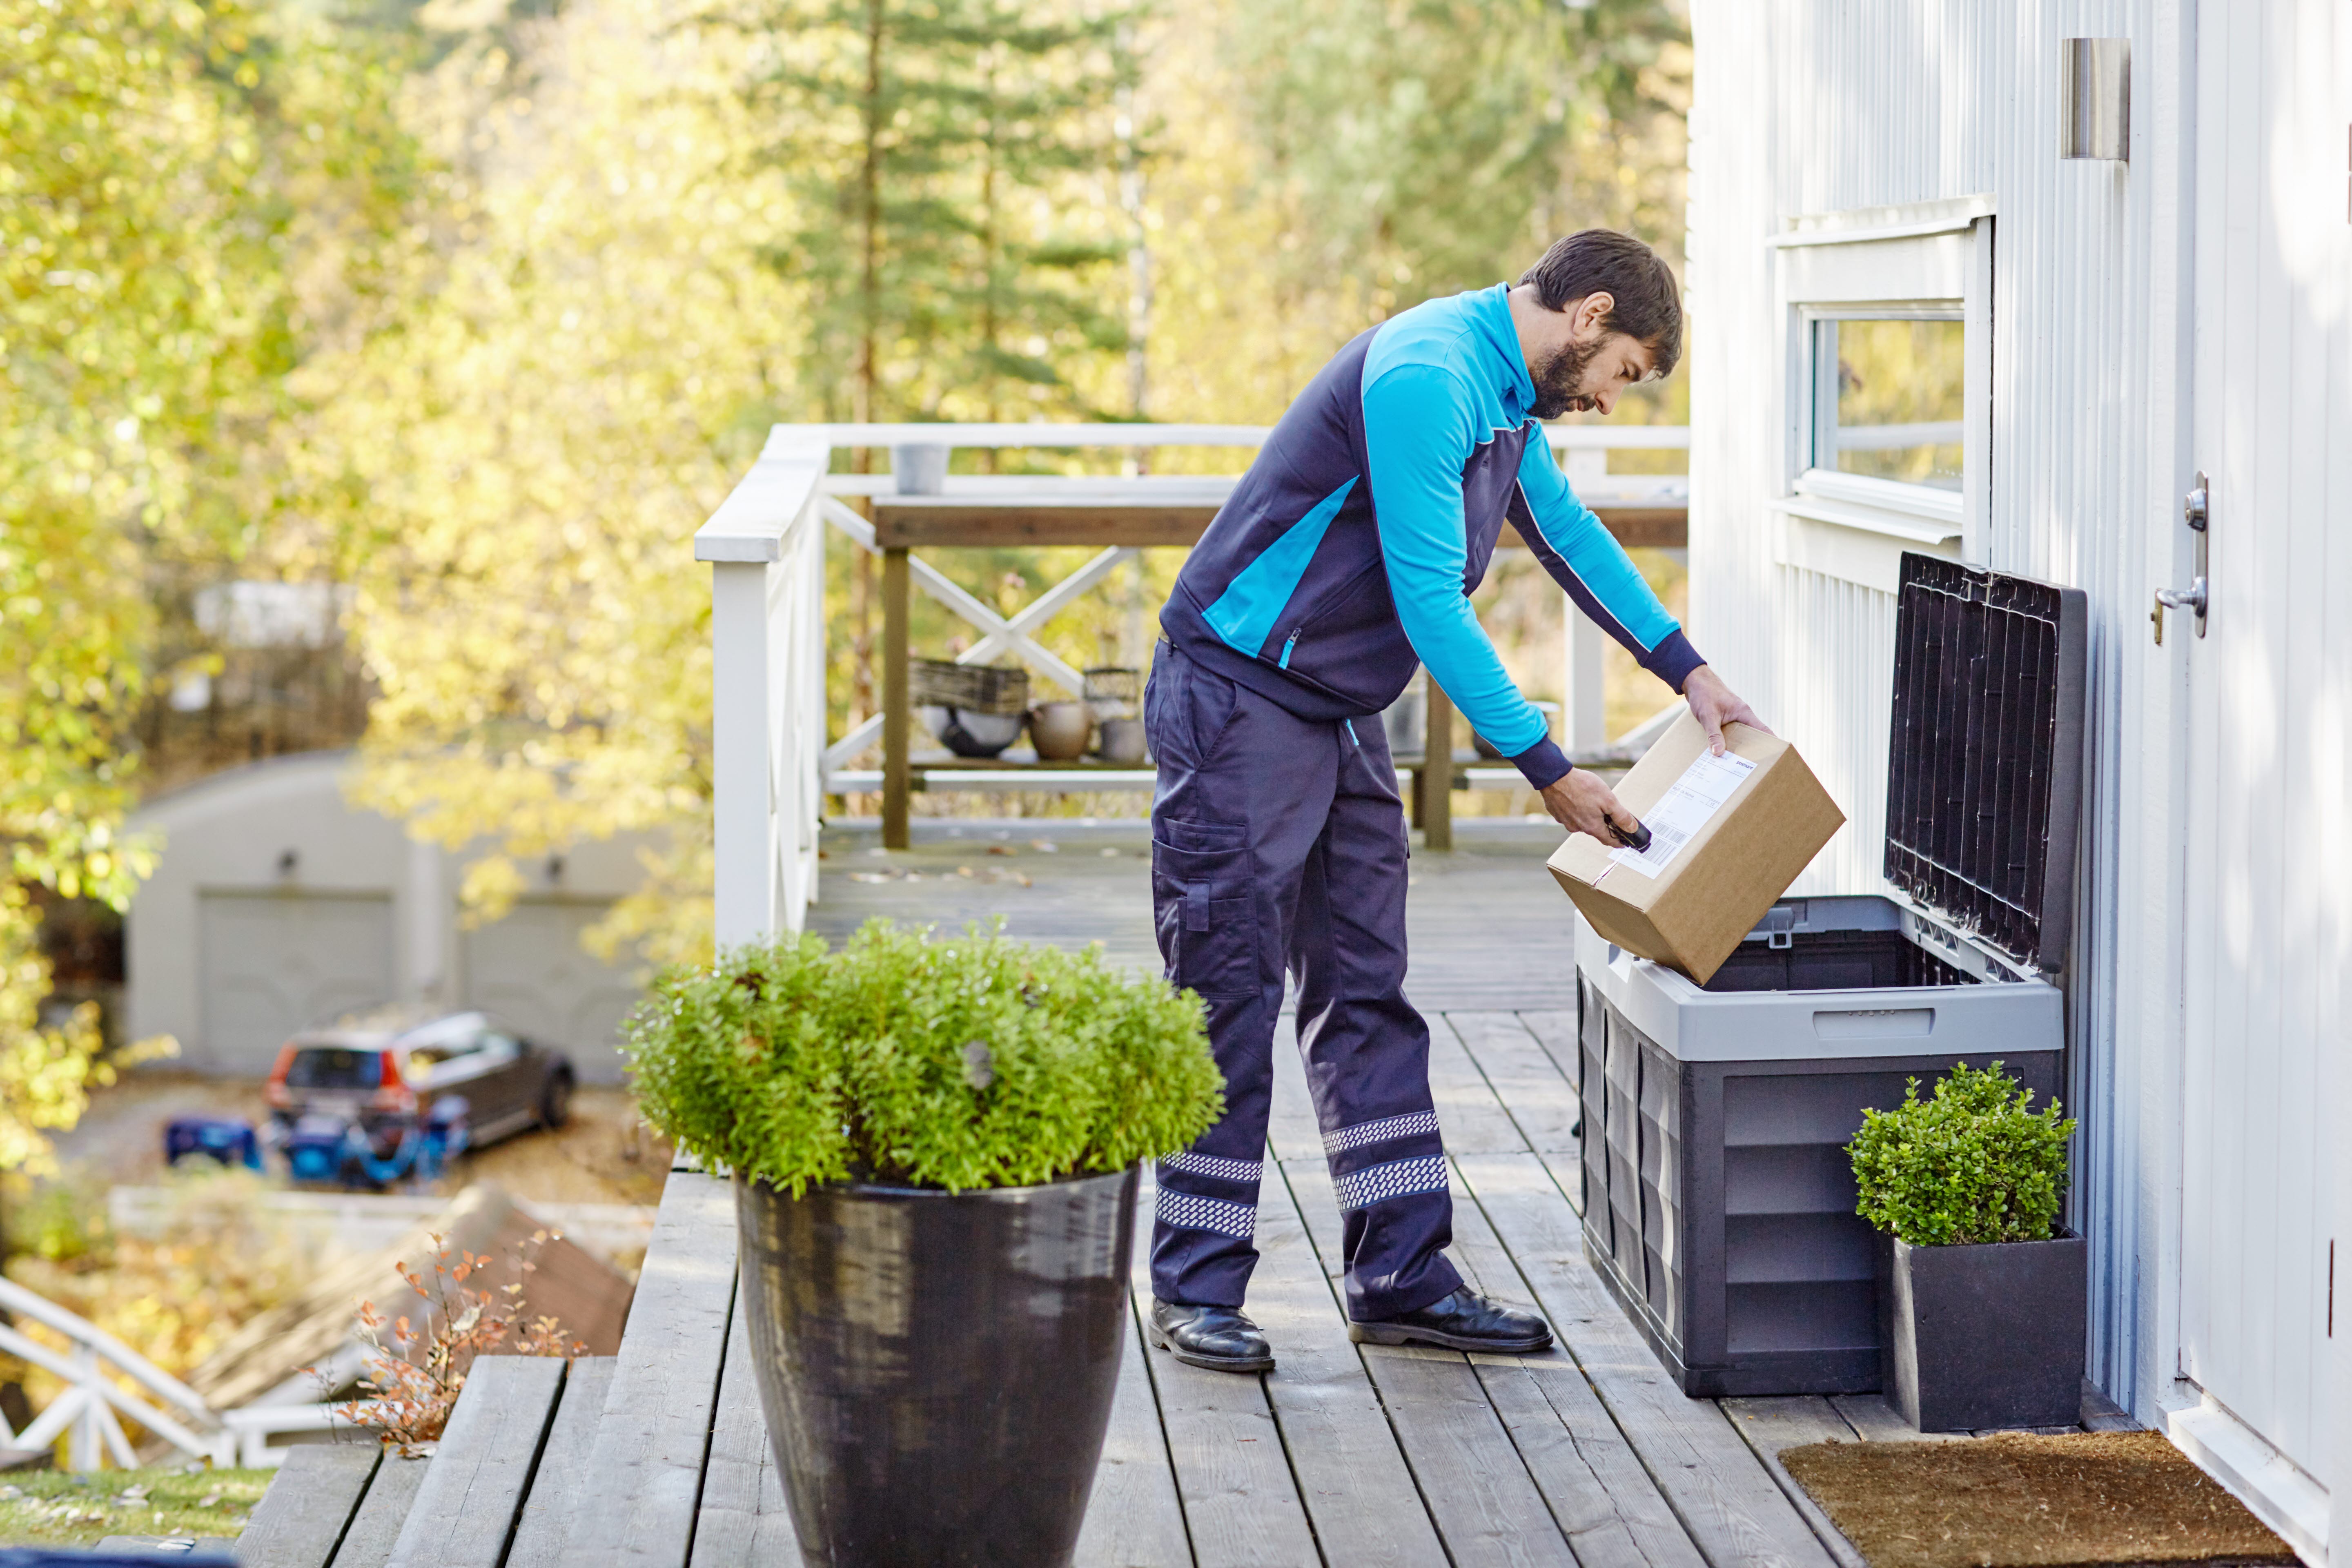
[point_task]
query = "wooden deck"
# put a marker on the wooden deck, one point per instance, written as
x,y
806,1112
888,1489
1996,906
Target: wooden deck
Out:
x,y
1345,1456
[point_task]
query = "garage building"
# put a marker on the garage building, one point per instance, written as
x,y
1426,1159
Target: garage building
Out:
x,y
276,904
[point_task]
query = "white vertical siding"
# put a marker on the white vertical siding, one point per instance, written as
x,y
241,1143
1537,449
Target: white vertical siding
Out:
x,y
1819,107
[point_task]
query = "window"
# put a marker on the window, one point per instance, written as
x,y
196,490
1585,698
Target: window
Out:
x,y
1893,404
1887,384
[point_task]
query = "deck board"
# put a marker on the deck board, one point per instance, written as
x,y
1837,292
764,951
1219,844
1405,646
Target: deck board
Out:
x,y
655,1435
1540,1101
743,1519
465,1514
368,1543
1241,1503
1473,1121
299,1525
1134,1520
1555,1030
563,1475
1487,1509
1731,1504
1768,1425
1292,1131
1360,1493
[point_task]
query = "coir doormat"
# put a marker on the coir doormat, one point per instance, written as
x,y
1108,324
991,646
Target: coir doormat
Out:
x,y
2074,1500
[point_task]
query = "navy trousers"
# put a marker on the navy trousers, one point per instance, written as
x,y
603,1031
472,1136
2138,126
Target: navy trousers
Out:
x,y
1278,843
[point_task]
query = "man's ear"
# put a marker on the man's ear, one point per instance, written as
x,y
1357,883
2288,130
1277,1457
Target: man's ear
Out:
x,y
1588,318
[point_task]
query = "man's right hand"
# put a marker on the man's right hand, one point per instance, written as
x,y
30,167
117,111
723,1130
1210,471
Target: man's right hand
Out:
x,y
1580,803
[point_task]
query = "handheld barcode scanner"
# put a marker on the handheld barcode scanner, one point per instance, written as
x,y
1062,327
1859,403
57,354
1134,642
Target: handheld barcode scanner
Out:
x,y
1638,841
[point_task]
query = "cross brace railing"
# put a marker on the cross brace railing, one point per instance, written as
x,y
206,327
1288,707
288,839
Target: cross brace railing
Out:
x,y
772,763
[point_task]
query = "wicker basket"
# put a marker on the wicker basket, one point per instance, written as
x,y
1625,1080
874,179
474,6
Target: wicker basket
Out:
x,y
970,688
1114,692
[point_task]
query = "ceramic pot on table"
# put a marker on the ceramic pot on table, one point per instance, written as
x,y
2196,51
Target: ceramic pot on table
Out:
x,y
1060,729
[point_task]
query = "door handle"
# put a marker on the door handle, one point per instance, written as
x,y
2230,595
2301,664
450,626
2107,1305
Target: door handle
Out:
x,y
2195,511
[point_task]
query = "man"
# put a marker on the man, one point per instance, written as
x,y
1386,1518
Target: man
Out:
x,y
1346,556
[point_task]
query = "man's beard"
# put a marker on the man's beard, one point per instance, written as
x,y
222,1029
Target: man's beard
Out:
x,y
1560,381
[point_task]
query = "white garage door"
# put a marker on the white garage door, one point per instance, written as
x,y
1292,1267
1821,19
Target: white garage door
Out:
x,y
274,963
531,969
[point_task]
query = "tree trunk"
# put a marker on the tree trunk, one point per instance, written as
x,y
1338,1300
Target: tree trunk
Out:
x,y
869,284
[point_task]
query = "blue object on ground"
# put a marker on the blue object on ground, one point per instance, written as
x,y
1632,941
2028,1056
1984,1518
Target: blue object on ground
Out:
x,y
334,1149
229,1139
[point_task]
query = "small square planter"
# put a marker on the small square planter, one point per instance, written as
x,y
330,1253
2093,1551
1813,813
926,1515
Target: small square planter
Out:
x,y
1972,1337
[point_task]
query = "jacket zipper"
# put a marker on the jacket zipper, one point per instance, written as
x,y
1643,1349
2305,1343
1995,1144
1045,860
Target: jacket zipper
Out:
x,y
1286,646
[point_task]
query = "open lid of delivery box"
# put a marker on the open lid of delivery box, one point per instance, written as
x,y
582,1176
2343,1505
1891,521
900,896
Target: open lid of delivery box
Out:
x,y
1984,773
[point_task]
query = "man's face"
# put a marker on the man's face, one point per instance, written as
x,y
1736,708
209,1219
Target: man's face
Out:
x,y
1586,377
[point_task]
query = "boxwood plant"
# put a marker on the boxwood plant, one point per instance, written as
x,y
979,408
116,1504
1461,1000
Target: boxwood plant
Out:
x,y
910,1061
1969,1165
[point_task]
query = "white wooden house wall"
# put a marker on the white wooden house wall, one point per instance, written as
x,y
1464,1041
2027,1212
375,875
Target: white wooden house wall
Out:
x,y
2094,431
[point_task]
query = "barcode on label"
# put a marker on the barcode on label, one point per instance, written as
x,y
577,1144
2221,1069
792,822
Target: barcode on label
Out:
x,y
1683,809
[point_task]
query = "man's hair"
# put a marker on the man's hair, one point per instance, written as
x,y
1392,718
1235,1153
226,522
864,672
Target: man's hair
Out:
x,y
1649,307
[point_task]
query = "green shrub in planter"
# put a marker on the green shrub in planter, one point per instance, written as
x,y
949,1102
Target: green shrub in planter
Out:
x,y
972,1062
1981,1299
935,1147
1970,1166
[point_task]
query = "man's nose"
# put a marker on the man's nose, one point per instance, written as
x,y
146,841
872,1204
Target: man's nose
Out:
x,y
1607,398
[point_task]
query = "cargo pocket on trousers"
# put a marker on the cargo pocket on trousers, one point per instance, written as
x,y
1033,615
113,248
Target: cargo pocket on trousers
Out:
x,y
1207,916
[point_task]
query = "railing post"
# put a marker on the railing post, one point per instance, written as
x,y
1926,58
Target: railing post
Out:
x,y
82,1448
1436,778
896,741
742,803
1586,711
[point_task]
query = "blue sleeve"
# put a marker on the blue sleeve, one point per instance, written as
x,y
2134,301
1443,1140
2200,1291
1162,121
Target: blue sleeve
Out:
x,y
1418,433
1585,558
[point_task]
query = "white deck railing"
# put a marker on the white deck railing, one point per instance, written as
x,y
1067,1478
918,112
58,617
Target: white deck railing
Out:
x,y
88,1412
770,758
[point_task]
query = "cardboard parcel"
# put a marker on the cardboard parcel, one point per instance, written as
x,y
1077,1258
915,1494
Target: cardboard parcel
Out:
x,y
1727,835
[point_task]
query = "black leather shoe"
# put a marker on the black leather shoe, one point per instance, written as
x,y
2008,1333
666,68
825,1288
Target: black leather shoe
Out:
x,y
1464,1320
1218,1338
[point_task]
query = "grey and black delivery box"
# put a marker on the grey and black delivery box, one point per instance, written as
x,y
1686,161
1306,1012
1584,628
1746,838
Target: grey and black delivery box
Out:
x,y
1718,1197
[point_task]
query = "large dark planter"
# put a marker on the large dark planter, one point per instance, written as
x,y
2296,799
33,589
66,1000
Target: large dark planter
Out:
x,y
1974,1337
937,1370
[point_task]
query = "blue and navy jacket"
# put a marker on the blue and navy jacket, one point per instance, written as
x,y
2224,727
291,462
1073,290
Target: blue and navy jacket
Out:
x,y
1347,552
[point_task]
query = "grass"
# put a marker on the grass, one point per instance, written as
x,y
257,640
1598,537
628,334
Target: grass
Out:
x,y
51,1508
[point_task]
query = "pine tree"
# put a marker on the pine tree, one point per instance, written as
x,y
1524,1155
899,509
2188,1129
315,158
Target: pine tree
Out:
x,y
955,260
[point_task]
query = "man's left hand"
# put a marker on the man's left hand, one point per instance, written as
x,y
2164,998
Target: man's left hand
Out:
x,y
1714,705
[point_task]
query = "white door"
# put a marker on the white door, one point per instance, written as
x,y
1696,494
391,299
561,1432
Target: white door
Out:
x,y
531,969
272,963
2268,924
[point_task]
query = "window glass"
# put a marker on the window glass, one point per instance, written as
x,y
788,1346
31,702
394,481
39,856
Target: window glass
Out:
x,y
452,1058
329,1067
1898,406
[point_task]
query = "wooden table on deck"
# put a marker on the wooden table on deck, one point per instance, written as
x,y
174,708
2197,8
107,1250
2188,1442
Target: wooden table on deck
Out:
x,y
1168,511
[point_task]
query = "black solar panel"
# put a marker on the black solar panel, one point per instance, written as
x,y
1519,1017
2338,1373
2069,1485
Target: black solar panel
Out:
x,y
1984,774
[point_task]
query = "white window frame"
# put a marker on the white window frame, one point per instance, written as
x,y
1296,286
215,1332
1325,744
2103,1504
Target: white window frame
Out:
x,y
1927,261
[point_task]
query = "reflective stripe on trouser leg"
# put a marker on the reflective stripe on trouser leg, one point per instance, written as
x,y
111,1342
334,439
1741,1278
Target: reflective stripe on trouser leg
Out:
x,y
1367,1051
